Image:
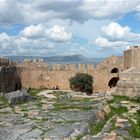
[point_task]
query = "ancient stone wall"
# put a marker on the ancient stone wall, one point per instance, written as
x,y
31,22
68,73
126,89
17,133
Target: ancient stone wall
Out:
x,y
39,74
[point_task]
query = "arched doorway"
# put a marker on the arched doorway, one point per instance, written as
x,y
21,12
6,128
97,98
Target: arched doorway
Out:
x,y
113,82
115,70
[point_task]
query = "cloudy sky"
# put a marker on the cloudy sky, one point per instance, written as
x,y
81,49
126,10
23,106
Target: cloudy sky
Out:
x,y
93,28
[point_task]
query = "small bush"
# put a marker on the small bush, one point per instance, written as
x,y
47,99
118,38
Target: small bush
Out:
x,y
82,82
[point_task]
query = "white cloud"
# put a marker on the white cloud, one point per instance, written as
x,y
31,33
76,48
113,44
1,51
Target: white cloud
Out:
x,y
58,34
34,40
4,41
33,31
115,35
4,37
6,44
114,31
103,42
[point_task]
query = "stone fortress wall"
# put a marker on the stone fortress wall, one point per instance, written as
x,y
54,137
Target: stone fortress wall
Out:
x,y
36,73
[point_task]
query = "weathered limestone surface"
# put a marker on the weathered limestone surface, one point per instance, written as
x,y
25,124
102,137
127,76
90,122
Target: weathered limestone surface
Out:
x,y
129,83
63,117
128,88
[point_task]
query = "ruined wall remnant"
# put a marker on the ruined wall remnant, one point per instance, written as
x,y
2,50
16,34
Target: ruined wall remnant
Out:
x,y
129,83
6,62
129,80
9,78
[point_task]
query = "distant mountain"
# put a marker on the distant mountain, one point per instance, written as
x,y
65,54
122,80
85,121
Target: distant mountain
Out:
x,y
66,58
60,59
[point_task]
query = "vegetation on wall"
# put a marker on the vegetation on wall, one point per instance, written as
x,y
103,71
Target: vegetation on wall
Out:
x,y
82,82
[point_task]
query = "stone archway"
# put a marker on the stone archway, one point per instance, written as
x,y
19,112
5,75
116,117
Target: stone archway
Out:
x,y
115,70
113,82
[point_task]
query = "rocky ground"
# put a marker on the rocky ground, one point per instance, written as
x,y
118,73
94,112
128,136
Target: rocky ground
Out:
x,y
66,115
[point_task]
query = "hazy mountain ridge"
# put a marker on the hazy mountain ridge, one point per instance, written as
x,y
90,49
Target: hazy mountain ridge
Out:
x,y
60,59
66,58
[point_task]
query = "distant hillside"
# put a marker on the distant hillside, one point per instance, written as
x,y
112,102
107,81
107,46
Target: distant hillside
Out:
x,y
60,59
66,58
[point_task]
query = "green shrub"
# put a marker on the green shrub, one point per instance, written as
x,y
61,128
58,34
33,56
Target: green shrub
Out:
x,y
82,82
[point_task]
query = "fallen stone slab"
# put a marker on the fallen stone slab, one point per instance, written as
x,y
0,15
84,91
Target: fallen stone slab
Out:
x,y
18,97
67,131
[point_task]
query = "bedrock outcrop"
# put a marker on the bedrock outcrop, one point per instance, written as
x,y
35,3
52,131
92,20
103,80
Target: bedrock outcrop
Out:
x,y
65,116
